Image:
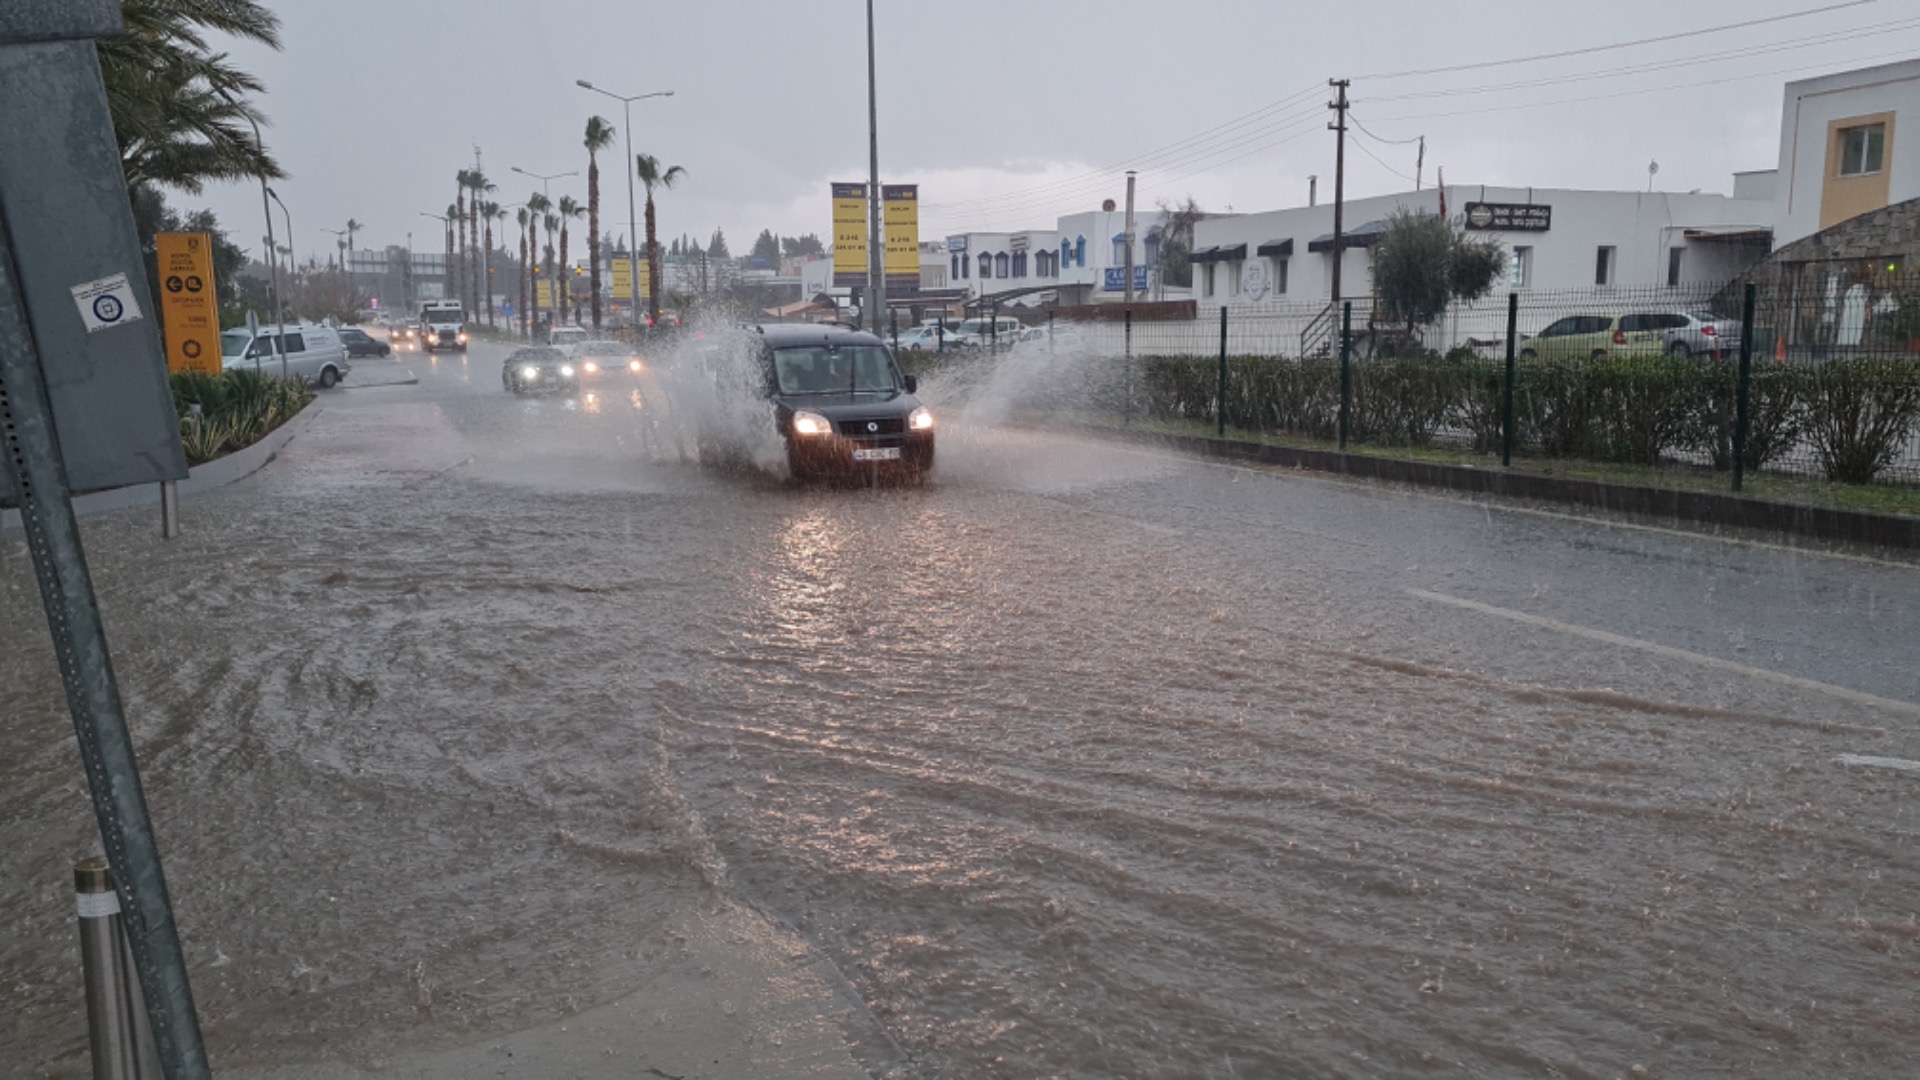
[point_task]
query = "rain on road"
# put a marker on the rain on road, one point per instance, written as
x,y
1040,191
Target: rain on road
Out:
x,y
1081,759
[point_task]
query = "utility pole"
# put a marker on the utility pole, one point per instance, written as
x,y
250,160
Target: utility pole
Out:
x,y
876,244
1420,164
1339,128
1129,236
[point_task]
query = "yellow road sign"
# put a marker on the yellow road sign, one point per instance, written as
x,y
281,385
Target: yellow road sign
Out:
x,y
189,306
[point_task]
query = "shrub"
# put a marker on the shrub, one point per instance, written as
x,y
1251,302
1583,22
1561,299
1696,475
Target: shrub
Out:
x,y
1405,401
235,409
1859,414
1776,413
1642,408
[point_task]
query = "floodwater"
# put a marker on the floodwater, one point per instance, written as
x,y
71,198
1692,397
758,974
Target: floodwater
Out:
x,y
1079,760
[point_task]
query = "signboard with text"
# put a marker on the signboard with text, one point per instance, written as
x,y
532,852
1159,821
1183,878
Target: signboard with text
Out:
x,y
1508,217
622,288
189,307
850,235
900,215
1115,279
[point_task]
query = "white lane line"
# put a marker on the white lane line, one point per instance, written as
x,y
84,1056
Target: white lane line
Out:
x,y
1901,764
1855,696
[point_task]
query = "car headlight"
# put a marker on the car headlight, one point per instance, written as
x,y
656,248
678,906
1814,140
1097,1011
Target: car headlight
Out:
x,y
920,419
566,371
806,423
592,368
633,366
433,339
463,339
529,372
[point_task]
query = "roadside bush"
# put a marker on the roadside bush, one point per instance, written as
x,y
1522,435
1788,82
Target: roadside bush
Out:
x,y
1553,397
1401,402
1859,415
235,409
1640,409
1776,413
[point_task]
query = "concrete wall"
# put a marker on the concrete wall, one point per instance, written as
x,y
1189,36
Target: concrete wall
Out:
x,y
1809,194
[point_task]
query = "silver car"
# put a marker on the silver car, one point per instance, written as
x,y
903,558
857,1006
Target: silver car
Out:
x,y
1696,333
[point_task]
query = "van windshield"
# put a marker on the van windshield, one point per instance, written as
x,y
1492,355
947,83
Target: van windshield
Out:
x,y
234,343
820,369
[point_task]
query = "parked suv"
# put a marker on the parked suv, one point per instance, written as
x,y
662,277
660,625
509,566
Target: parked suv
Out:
x,y
313,352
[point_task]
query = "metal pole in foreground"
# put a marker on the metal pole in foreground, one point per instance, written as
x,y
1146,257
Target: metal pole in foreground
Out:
x,y
31,454
876,245
169,510
1346,369
109,1021
1740,401
1506,391
1220,396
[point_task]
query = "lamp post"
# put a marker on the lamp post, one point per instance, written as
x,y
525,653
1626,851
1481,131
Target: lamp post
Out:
x,y
445,270
876,250
280,310
273,257
633,233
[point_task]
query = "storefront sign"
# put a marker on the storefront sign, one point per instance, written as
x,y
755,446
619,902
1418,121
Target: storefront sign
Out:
x,y
1254,280
1508,217
956,243
1115,279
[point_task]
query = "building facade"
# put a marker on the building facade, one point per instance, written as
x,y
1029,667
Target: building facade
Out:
x,y
1841,154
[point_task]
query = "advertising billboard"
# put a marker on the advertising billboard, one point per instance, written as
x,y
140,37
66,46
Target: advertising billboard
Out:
x,y
622,288
900,212
850,235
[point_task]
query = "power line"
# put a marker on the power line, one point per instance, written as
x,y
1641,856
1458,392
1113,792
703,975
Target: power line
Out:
x,y
1376,157
1376,138
1621,44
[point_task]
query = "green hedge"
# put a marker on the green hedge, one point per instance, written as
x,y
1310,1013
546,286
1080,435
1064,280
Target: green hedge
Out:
x,y
1855,416
233,410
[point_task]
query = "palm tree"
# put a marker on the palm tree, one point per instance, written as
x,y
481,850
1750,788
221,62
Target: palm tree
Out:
x,y
537,206
552,222
570,211
446,276
178,108
490,212
652,174
456,283
478,183
520,273
599,137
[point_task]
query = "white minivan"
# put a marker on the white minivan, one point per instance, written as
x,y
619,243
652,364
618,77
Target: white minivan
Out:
x,y
314,352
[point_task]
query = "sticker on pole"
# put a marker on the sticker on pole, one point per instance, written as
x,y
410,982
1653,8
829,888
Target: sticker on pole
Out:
x,y
106,303
98,905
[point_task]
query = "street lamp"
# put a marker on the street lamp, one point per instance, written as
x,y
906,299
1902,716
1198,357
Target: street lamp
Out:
x,y
446,223
633,232
876,253
273,258
280,312
534,258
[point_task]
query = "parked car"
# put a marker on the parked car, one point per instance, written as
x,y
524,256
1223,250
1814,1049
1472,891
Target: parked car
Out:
x,y
1000,330
1699,333
603,360
358,343
561,336
923,337
1597,337
539,368
313,352
839,400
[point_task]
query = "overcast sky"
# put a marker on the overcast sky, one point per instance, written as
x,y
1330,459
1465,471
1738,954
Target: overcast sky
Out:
x,y
1008,113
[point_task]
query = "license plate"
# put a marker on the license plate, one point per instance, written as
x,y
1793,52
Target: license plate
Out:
x,y
884,453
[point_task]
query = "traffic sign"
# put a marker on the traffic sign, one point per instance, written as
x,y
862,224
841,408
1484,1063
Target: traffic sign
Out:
x,y
188,312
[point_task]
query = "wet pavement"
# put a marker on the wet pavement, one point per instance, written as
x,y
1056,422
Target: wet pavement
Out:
x,y
466,714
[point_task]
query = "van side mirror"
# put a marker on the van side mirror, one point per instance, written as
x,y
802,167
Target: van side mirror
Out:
x,y
913,384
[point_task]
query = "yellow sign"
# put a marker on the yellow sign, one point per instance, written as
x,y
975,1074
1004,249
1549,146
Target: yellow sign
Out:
x,y
623,281
850,235
901,213
189,307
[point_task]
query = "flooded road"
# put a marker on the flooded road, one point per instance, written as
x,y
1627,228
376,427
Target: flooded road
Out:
x,y
1080,760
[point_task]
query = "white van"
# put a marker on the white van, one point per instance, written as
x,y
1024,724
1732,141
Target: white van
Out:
x,y
314,352
562,336
1001,330
443,325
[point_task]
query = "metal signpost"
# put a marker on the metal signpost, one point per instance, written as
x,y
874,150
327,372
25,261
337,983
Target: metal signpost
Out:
x,y
84,405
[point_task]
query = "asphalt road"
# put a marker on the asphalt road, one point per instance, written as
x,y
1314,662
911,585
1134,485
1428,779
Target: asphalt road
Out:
x,y
1079,759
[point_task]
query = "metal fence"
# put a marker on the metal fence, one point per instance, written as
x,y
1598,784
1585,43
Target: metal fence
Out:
x,y
1830,389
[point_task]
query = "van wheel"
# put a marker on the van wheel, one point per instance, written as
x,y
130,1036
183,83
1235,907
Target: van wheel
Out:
x,y
328,378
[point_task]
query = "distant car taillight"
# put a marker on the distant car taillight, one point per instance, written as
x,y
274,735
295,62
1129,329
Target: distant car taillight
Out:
x,y
1619,337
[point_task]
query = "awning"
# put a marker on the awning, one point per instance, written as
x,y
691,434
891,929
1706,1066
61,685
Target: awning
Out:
x,y
1224,253
1281,248
1732,234
1365,236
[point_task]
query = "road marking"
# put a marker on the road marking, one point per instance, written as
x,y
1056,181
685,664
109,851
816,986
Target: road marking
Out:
x,y
1901,764
1670,652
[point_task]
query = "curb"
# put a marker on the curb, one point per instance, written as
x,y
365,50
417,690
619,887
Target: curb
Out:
x,y
1697,507
217,473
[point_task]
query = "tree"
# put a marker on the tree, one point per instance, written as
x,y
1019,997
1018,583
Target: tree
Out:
x,y
1421,264
652,175
457,283
599,137
570,211
520,272
1176,241
490,212
552,222
447,289
480,187
179,110
717,247
767,249
537,206
801,247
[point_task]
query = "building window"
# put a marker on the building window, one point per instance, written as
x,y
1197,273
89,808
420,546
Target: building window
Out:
x,y
956,266
1520,268
1066,252
1000,265
1206,279
1153,249
1603,266
1233,278
1120,250
1019,264
1079,251
1279,276
1862,149
1673,267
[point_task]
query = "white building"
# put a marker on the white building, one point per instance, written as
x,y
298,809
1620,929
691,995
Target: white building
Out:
x,y
1839,157
1093,258
1023,265
1554,239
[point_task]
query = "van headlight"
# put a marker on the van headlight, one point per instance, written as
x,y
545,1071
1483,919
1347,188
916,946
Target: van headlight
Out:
x,y
529,372
806,423
592,368
463,339
566,371
920,419
433,338
633,366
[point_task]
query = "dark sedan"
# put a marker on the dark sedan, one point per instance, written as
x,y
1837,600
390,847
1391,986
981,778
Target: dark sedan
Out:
x,y
358,343
537,369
